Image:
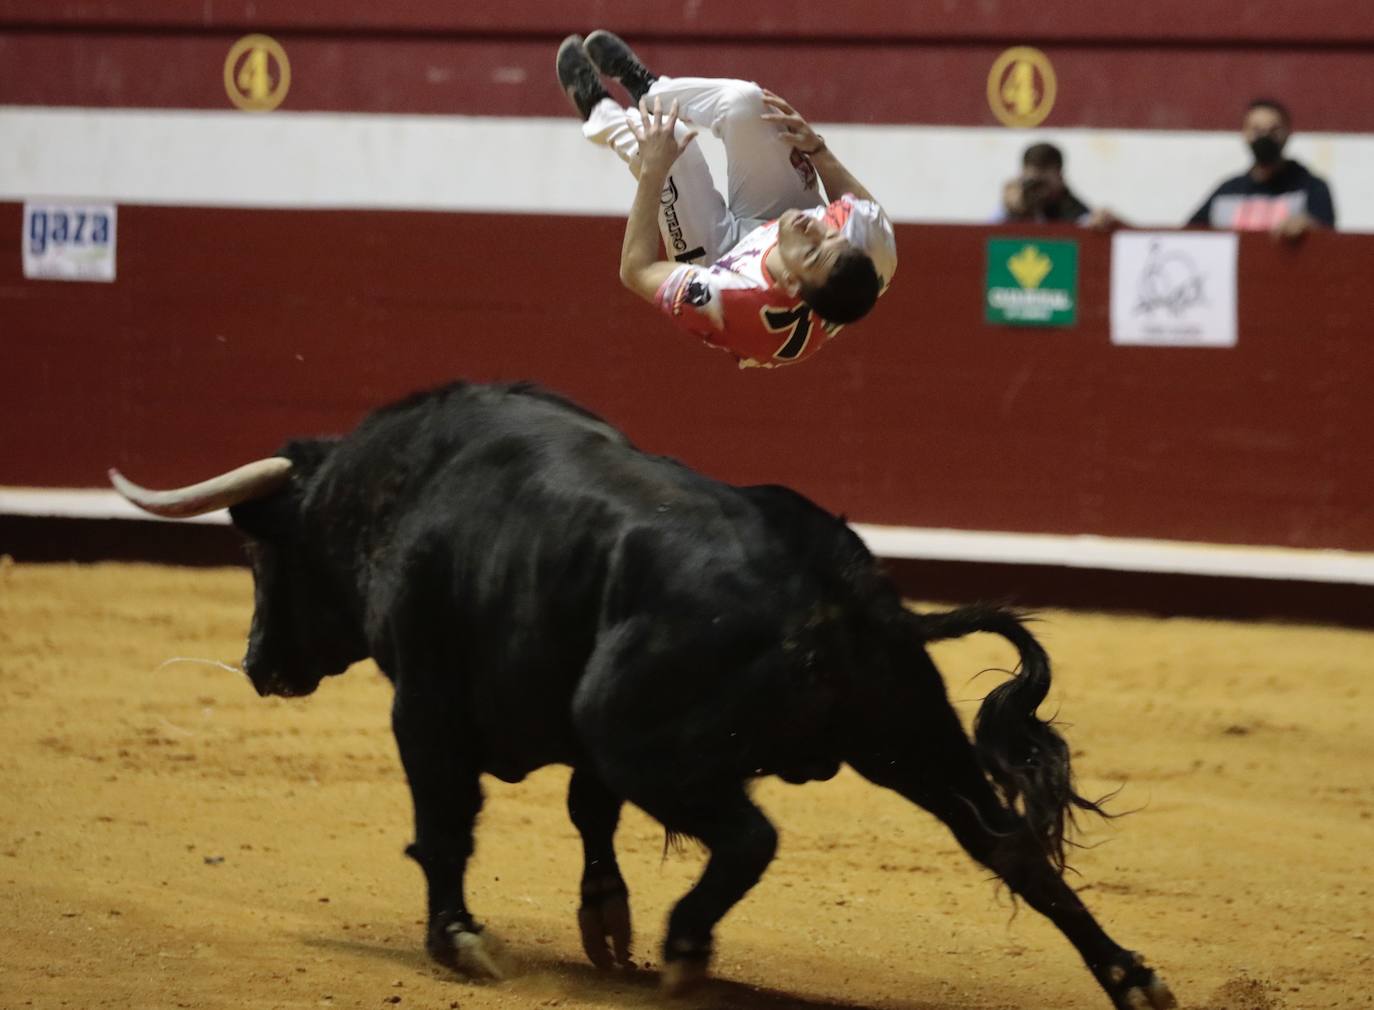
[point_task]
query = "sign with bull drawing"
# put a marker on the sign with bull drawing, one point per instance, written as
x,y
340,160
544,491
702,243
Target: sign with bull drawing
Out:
x,y
668,636
1175,289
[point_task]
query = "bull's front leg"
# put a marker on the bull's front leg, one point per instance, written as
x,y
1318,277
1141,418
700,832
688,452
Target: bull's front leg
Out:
x,y
604,912
446,789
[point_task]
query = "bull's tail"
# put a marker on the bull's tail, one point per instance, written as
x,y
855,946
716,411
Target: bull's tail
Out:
x,y
1024,755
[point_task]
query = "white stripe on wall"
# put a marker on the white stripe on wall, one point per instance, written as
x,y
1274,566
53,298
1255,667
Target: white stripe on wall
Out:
x,y
1119,554
528,165
1072,551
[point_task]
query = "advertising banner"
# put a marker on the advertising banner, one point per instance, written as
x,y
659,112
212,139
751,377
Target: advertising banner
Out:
x,y
69,241
1031,282
1175,289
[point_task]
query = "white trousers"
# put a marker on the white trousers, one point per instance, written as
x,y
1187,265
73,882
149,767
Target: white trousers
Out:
x,y
765,176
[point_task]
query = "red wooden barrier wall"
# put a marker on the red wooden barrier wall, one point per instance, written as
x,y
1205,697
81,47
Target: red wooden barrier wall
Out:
x,y
1264,22
230,330
1169,64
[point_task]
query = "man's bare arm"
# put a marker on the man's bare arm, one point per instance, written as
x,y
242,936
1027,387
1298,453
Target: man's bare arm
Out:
x,y
837,179
796,131
640,268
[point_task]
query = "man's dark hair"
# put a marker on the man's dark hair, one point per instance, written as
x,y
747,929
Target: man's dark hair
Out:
x,y
1043,156
1271,103
850,290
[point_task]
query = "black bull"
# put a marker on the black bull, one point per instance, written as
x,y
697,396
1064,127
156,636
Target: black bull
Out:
x,y
540,591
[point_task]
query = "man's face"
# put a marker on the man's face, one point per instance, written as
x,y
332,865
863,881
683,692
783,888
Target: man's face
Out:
x,y
808,247
1264,122
1041,186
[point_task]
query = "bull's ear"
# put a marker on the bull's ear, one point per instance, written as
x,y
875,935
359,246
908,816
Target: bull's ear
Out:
x,y
307,454
271,518
275,517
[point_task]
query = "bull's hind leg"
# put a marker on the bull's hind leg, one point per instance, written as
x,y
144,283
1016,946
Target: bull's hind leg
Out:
x,y
940,772
660,737
604,912
445,787
741,841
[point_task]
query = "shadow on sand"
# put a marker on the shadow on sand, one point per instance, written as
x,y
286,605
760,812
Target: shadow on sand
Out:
x,y
545,976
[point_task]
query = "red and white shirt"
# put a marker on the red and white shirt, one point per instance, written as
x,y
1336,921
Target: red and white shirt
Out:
x,y
735,305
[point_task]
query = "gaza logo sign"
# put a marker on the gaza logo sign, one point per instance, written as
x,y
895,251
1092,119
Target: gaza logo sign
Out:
x,y
69,241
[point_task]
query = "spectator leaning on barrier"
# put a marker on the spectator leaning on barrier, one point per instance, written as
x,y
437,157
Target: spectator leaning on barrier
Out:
x,y
1040,193
1277,194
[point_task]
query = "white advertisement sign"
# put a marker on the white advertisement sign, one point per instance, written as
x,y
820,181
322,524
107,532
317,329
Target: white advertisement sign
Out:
x,y
1174,289
69,241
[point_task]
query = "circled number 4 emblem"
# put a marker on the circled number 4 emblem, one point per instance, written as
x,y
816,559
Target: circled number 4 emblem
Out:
x,y
257,74
1021,87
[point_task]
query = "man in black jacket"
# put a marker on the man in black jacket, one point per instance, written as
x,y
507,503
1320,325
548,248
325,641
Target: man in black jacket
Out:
x,y
1277,194
1040,194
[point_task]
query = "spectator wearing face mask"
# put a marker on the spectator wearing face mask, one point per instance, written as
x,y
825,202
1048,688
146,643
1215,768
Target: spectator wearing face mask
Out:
x,y
1277,194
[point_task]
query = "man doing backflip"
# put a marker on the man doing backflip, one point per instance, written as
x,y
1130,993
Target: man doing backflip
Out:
x,y
769,274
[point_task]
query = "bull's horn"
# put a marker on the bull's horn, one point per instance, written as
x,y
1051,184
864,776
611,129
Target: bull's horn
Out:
x,y
252,480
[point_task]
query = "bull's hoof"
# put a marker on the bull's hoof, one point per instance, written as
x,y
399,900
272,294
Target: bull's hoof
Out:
x,y
478,954
606,918
1153,995
473,952
1134,986
682,976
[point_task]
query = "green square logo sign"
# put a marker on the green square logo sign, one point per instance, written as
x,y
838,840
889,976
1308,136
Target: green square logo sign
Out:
x,y
1031,282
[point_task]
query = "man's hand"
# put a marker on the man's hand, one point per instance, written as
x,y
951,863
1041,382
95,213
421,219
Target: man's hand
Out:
x,y
1103,219
1014,198
793,128
797,133
658,143
1294,227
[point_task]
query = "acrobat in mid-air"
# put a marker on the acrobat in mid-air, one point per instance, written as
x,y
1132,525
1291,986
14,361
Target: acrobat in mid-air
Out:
x,y
770,271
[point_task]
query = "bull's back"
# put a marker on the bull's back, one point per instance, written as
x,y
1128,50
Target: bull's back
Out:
x,y
523,530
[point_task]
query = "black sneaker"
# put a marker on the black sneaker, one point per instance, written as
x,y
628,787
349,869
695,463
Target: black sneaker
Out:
x,y
614,58
578,77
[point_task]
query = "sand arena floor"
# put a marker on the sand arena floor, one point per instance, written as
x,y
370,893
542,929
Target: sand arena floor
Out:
x,y
168,839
